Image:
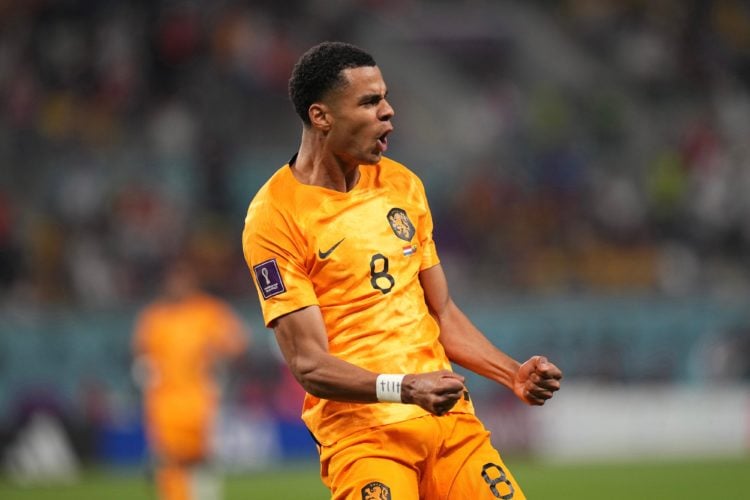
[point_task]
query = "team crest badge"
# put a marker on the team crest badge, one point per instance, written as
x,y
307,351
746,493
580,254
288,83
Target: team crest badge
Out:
x,y
376,491
400,223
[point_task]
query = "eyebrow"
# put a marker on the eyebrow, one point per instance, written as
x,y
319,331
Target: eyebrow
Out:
x,y
372,97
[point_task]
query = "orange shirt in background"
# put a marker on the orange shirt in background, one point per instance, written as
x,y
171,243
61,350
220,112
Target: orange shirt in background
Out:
x,y
181,341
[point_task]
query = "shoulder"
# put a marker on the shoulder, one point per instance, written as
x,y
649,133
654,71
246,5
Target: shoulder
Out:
x,y
400,176
394,168
269,192
270,199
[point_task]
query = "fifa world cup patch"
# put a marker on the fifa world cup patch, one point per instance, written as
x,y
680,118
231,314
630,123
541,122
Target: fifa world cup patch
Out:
x,y
376,491
268,278
400,223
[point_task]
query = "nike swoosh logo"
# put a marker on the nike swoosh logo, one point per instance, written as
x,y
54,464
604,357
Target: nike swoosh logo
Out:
x,y
324,255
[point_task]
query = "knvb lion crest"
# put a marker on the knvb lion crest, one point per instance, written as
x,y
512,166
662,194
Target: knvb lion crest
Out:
x,y
376,491
400,223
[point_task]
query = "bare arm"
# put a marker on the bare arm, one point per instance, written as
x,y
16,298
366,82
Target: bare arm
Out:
x,y
533,381
304,343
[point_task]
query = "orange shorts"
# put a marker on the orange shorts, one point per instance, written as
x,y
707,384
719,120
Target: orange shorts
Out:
x,y
179,425
448,457
175,444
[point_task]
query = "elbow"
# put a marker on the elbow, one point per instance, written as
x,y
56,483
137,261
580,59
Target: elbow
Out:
x,y
307,373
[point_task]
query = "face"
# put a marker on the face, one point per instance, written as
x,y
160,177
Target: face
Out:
x,y
359,117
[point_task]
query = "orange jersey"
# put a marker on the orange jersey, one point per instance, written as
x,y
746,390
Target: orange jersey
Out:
x,y
357,255
181,341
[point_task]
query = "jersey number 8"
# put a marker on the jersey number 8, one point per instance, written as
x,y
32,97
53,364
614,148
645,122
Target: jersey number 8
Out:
x,y
378,278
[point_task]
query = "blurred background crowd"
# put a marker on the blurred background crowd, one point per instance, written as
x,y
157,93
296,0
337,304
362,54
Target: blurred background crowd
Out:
x,y
578,148
568,146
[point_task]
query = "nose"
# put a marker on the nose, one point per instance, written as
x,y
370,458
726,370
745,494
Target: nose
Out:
x,y
386,111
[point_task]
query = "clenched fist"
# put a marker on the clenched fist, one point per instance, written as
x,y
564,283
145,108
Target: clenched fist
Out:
x,y
536,380
437,392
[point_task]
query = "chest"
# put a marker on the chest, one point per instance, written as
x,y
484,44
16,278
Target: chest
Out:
x,y
372,243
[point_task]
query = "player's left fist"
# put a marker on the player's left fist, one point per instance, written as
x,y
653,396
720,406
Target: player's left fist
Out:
x,y
537,380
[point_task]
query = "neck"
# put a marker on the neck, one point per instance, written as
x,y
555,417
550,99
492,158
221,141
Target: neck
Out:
x,y
316,165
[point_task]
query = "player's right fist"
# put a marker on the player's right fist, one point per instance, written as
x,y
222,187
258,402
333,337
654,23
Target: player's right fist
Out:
x,y
437,392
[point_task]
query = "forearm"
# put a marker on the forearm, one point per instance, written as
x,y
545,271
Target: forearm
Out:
x,y
328,377
304,344
303,341
466,346
534,381
335,379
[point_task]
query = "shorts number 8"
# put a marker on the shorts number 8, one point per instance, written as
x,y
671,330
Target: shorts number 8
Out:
x,y
494,481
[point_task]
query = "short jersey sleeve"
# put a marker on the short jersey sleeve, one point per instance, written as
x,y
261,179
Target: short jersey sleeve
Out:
x,y
276,254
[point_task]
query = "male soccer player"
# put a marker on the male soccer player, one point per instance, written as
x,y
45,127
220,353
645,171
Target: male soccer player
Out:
x,y
339,242
178,341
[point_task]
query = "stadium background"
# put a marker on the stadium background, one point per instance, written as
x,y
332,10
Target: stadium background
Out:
x,y
587,163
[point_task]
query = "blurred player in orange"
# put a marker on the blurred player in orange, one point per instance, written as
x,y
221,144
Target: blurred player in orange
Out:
x,y
339,242
180,339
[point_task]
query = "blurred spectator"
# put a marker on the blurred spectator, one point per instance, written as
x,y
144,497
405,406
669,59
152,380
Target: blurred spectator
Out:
x,y
126,122
10,258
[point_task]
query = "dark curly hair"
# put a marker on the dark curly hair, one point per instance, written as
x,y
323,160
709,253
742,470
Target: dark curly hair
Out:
x,y
319,71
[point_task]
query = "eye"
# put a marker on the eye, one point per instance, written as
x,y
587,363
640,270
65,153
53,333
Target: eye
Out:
x,y
371,101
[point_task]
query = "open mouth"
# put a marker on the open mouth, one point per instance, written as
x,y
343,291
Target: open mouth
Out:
x,y
383,142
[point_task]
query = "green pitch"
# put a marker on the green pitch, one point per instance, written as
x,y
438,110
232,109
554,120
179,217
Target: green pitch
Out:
x,y
659,480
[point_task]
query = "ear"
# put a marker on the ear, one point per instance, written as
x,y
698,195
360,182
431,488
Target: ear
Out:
x,y
320,116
